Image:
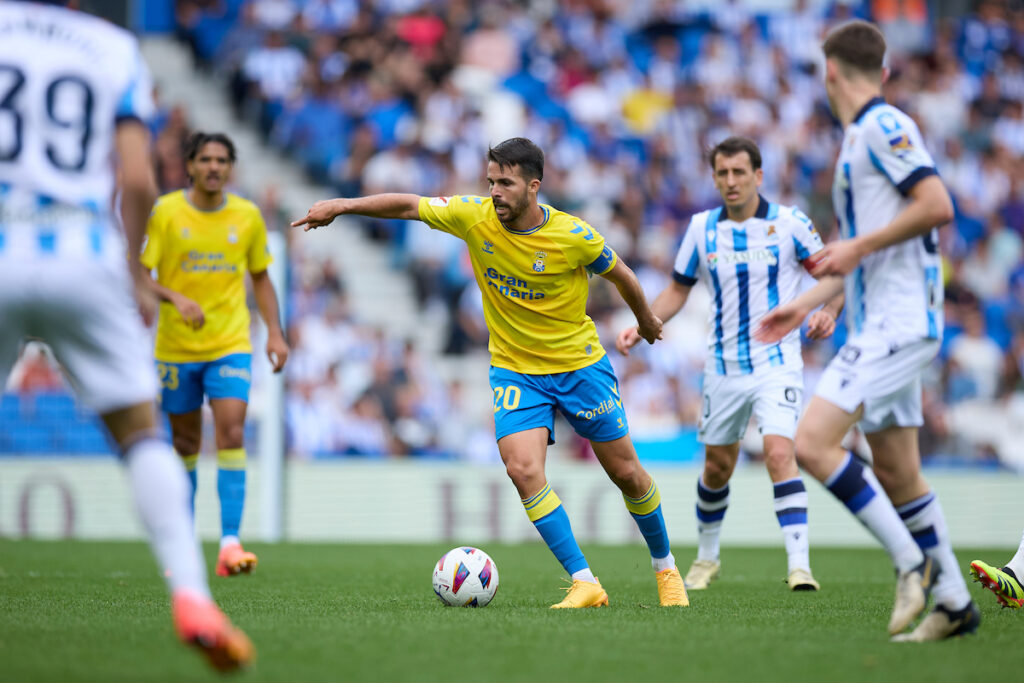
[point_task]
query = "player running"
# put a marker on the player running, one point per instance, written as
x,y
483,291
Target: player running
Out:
x,y
74,97
1006,583
531,263
889,200
201,241
751,255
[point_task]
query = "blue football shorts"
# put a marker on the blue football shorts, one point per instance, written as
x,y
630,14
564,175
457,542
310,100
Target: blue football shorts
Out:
x,y
183,385
588,398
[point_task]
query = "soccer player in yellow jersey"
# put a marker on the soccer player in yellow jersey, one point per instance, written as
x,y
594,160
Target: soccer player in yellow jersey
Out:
x,y
201,241
531,263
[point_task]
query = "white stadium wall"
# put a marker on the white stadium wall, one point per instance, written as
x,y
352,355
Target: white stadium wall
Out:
x,y
408,501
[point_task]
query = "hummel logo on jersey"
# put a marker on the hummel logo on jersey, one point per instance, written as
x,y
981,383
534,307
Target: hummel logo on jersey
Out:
x,y
488,246
579,228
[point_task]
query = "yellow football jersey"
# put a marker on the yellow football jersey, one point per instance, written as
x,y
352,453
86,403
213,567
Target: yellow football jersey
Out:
x,y
534,283
205,255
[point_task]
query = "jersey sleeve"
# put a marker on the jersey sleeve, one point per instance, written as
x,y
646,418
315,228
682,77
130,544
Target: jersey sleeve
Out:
x,y
687,267
897,150
586,247
258,257
454,215
152,245
806,239
135,102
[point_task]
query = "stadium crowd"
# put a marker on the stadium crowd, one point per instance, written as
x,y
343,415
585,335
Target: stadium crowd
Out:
x,y
624,97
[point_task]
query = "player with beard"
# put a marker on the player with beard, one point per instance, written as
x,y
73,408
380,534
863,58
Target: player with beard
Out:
x,y
531,263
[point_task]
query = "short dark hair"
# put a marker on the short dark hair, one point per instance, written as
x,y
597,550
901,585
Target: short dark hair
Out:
x,y
857,44
734,145
198,139
519,152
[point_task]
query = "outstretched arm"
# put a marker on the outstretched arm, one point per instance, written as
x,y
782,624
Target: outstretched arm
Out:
x,y
389,205
669,302
624,279
780,321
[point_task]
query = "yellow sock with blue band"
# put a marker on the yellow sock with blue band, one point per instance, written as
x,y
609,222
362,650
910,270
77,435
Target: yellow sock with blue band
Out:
x,y
231,489
191,462
546,512
646,511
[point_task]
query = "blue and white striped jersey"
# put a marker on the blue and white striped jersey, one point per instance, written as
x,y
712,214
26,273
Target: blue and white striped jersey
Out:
x,y
66,80
749,269
897,291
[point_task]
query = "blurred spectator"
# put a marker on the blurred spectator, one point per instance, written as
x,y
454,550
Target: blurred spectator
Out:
x,y
406,95
976,361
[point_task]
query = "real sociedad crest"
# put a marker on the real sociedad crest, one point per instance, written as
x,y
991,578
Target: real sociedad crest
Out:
x,y
538,265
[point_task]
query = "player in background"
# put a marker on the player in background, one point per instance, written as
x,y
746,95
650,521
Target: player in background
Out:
x,y
201,241
751,255
531,263
889,200
1006,583
74,98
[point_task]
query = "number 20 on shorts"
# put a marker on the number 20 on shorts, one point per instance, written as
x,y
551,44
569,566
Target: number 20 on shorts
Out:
x,y
506,397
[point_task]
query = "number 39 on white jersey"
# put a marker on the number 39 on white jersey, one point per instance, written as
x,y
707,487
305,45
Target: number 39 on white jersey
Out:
x,y
66,80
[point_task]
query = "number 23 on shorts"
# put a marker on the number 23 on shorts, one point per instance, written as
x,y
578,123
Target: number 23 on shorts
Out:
x,y
506,397
168,376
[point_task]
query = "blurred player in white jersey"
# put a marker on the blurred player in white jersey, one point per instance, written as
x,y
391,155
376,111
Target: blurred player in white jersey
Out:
x,y
751,254
889,200
74,96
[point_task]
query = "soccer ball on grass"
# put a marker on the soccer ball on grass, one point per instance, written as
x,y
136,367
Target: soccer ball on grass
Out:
x,y
465,577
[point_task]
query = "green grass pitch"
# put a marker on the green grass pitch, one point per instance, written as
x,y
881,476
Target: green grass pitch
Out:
x,y
98,612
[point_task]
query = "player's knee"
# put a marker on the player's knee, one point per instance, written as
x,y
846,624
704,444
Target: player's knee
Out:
x,y
185,444
808,450
718,469
892,478
715,475
523,471
625,472
778,457
231,436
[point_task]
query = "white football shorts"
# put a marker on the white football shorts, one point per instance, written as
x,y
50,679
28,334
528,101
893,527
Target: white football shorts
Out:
x,y
883,376
773,396
85,311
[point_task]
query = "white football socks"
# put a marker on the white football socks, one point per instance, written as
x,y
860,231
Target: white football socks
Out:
x,y
163,498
